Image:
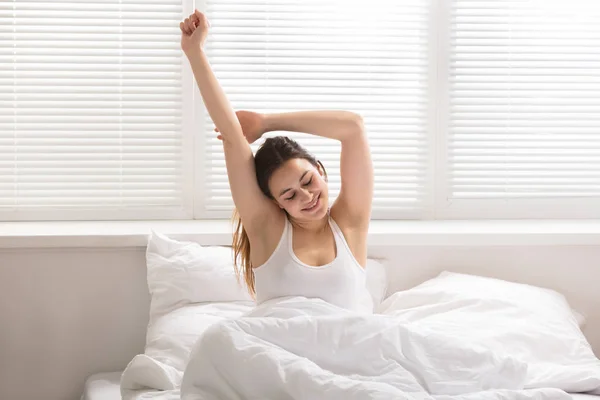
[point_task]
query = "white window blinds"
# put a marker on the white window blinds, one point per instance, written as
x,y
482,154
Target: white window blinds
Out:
x,y
524,109
290,55
92,110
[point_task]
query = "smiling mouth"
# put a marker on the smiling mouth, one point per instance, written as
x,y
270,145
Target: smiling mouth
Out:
x,y
313,204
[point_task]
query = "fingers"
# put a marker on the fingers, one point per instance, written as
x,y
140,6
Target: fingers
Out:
x,y
216,129
194,18
189,24
220,137
185,28
201,19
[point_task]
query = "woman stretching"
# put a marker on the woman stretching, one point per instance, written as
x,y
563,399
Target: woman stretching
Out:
x,y
288,241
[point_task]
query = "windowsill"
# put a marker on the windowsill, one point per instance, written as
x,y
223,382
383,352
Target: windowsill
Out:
x,y
381,233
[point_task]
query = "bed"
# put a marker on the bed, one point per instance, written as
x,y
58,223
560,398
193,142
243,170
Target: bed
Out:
x,y
507,337
105,386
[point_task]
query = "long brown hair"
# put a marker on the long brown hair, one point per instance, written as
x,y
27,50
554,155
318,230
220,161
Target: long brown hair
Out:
x,y
271,155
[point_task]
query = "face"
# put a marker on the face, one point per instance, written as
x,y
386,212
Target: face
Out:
x,y
300,189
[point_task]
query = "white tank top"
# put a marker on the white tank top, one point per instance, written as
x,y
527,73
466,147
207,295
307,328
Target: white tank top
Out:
x,y
342,282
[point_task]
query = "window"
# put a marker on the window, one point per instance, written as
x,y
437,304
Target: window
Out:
x,y
93,111
473,108
522,135
279,56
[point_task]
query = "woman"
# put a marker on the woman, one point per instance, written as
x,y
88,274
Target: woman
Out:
x,y
288,241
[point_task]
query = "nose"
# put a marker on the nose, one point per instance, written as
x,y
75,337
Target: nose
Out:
x,y
305,194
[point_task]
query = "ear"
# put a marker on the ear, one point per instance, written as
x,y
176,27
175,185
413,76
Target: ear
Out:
x,y
321,170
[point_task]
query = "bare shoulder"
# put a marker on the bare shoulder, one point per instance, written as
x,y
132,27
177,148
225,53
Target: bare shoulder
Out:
x,y
264,234
355,232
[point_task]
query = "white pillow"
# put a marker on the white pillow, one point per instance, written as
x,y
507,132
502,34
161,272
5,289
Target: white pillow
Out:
x,y
181,273
532,324
191,288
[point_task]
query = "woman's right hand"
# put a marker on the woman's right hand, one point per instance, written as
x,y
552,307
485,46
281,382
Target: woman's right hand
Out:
x,y
253,125
194,30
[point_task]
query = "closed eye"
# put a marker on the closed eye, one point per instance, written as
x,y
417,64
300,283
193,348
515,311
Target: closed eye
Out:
x,y
304,184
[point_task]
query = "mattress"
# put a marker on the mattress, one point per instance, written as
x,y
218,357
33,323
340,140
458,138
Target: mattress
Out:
x,y
106,386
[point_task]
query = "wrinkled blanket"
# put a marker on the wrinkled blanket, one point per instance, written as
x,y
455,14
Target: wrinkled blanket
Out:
x,y
297,348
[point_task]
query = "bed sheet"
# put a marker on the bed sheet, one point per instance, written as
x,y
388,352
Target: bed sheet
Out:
x,y
105,386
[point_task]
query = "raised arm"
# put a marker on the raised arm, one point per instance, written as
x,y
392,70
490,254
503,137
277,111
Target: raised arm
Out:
x,y
356,194
251,204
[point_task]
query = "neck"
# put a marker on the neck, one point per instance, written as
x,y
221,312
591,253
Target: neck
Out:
x,y
315,226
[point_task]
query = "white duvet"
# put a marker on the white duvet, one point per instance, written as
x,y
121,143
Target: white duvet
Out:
x,y
297,348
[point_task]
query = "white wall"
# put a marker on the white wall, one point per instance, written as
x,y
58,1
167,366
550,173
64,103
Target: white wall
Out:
x,y
67,313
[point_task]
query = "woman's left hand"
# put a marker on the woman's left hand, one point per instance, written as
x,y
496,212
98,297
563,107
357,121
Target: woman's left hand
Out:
x,y
253,125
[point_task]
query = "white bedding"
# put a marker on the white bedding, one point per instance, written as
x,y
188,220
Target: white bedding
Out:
x,y
105,386
102,386
296,348
453,337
